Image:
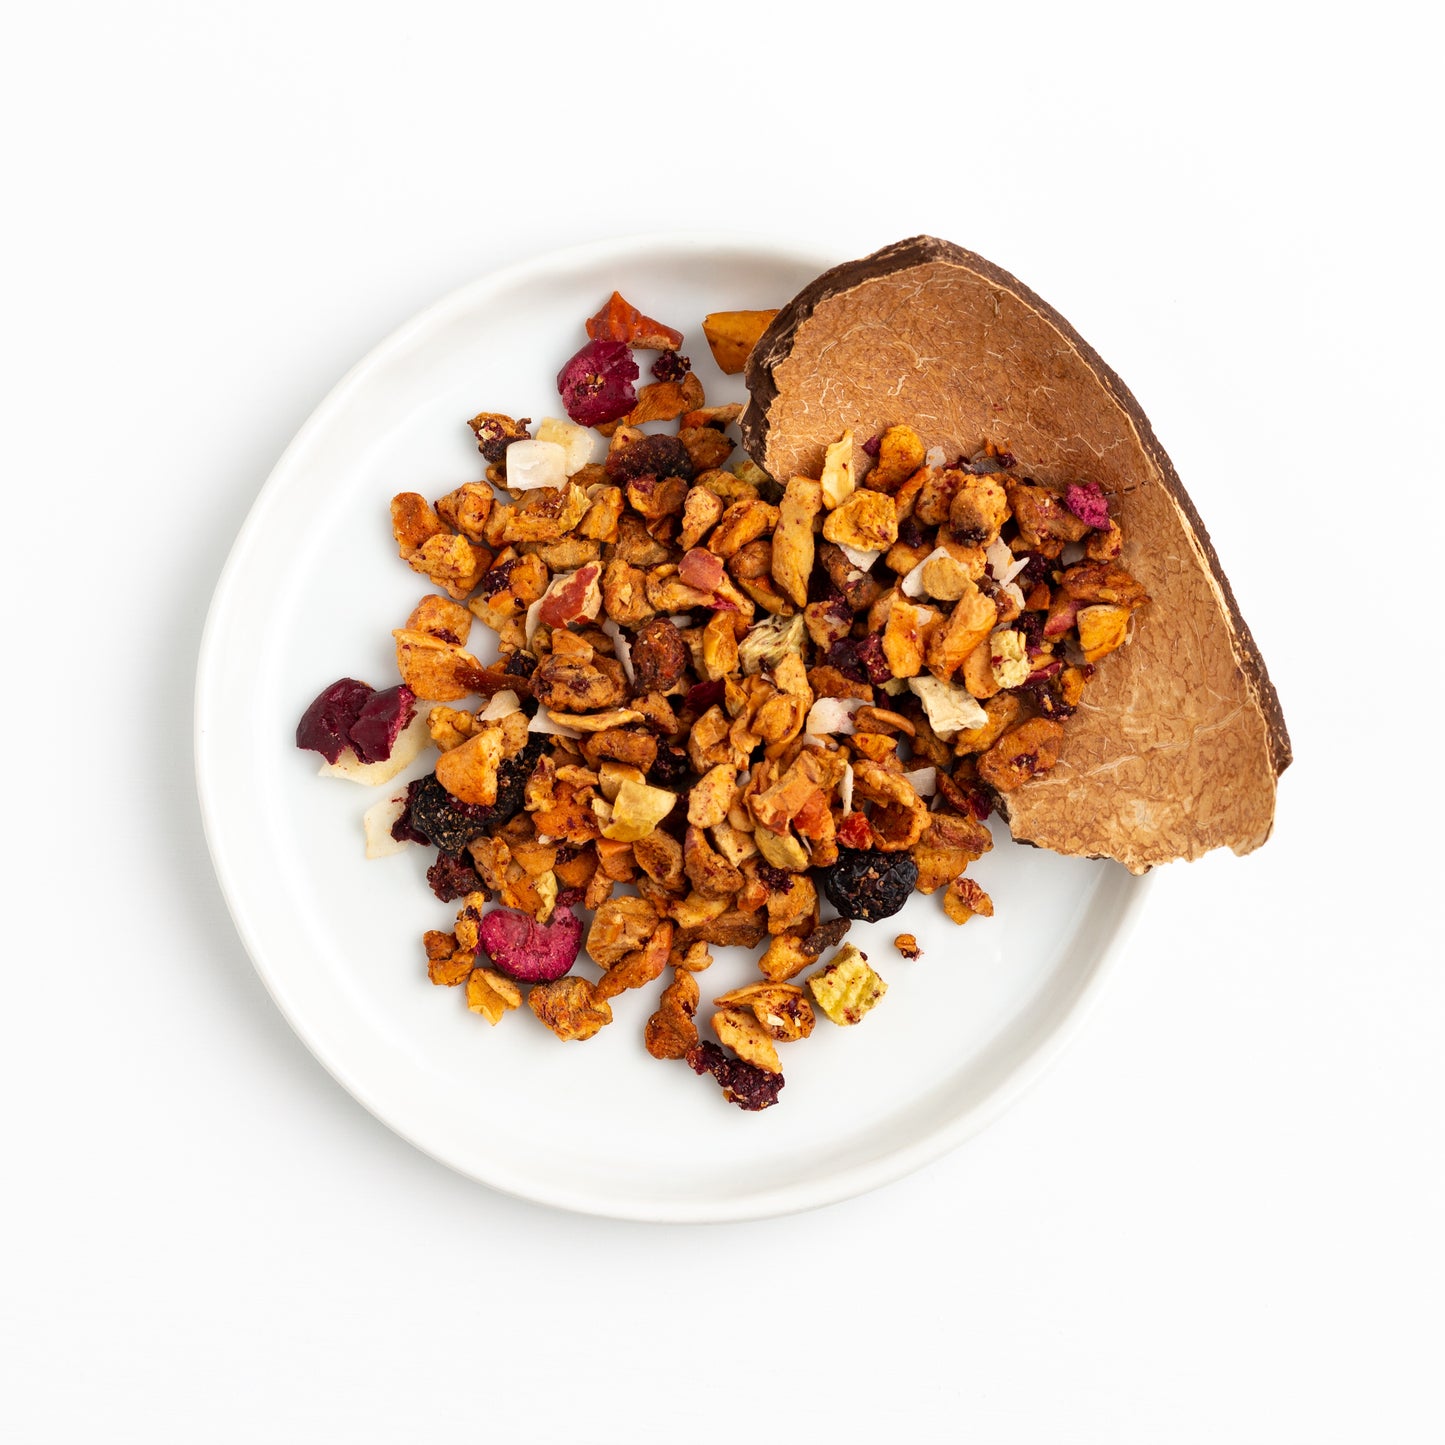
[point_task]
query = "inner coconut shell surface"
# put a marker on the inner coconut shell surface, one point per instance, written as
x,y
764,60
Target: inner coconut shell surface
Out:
x,y
1179,739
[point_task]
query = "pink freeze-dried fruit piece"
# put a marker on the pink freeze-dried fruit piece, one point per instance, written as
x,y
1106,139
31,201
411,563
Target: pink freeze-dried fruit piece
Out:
x,y
596,384
529,951
382,717
1086,500
325,726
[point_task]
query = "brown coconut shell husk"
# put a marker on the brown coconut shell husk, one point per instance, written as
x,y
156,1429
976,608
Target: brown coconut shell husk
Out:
x,y
1179,739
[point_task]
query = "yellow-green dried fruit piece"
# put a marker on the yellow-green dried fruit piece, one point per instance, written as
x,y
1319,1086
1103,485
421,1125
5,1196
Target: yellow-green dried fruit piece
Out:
x,y
847,988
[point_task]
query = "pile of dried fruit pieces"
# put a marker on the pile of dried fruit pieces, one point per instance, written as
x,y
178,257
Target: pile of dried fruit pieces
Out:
x,y
720,689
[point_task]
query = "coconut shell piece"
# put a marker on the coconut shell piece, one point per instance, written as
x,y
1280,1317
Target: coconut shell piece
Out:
x,y
1179,739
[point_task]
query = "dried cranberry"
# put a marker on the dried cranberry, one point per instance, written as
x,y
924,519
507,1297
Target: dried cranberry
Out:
x,y
402,830
873,446
744,1084
1034,572
670,767
596,383
325,726
704,695
1031,624
1086,500
910,533
875,664
775,880
671,367
843,654
382,717
1046,697
649,456
520,664
869,885
497,578
452,876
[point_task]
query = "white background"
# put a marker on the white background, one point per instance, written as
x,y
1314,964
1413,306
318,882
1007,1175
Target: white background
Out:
x,y
1218,1218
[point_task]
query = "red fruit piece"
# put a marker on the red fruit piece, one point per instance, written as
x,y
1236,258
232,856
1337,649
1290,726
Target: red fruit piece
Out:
x,y
381,719
620,320
529,951
569,602
325,726
596,384
700,569
854,832
1088,503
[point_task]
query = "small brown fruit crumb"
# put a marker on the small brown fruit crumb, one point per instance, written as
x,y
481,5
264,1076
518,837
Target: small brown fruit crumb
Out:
x,y
907,945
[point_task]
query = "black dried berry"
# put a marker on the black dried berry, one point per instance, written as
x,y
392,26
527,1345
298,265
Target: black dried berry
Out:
x,y
868,885
450,824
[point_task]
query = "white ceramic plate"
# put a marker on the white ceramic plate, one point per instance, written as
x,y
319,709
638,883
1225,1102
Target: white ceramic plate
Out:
x,y
311,592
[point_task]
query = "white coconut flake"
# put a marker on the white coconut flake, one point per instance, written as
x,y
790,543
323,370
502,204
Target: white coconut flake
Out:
x,y
1073,552
1000,558
845,789
531,464
860,557
501,705
534,615
924,781
580,444
912,583
1012,589
832,715
933,457
377,823
541,723
949,707
622,647
408,745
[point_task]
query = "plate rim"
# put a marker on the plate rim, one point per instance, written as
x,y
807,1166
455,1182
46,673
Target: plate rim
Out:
x,y
825,1188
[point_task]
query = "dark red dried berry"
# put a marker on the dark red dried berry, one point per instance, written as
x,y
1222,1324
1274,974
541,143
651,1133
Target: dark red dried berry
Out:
x,y
873,446
910,532
744,1084
669,768
325,726
520,664
1035,572
704,695
596,383
1086,500
649,456
1031,624
775,880
452,876
382,717
402,830
875,664
671,367
843,654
